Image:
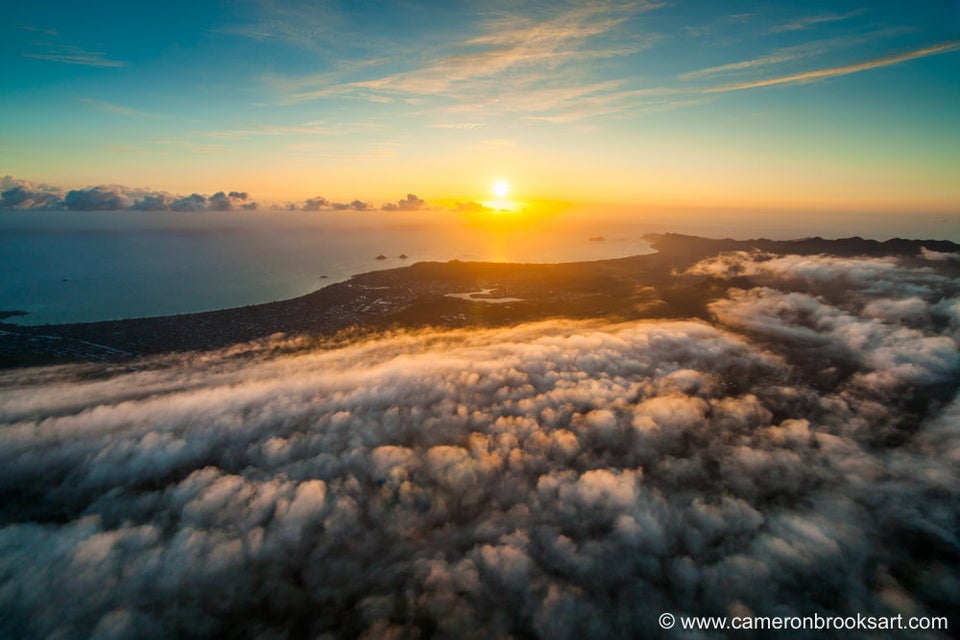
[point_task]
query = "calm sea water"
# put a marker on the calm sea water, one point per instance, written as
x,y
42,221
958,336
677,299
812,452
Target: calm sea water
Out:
x,y
70,266
86,266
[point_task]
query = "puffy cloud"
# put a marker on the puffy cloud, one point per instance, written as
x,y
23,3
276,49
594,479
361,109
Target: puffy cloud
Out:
x,y
356,205
876,321
315,204
411,203
193,202
103,198
887,353
23,198
15,196
826,274
937,256
221,201
154,202
22,194
557,479
912,309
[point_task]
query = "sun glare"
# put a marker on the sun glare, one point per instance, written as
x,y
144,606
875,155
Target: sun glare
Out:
x,y
501,201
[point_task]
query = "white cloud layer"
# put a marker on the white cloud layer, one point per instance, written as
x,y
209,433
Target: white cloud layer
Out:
x,y
554,480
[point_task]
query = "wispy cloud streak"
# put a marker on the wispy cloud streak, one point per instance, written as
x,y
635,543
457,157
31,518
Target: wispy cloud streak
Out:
x,y
762,61
534,68
112,108
511,59
68,54
821,74
306,128
803,51
805,23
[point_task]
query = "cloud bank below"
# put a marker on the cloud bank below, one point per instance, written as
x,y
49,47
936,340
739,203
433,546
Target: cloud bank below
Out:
x,y
557,480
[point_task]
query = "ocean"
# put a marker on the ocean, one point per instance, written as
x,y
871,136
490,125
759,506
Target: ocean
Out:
x,y
71,266
77,266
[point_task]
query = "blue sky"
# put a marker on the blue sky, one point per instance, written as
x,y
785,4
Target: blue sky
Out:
x,y
693,102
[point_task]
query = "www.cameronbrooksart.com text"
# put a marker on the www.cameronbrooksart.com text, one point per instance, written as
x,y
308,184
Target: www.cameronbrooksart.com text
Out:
x,y
813,622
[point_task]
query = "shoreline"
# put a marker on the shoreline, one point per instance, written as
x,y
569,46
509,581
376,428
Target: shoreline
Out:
x,y
644,286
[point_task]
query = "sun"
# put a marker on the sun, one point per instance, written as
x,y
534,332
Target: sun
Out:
x,y
501,202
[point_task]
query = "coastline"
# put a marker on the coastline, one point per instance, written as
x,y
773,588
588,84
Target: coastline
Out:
x,y
417,295
97,266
